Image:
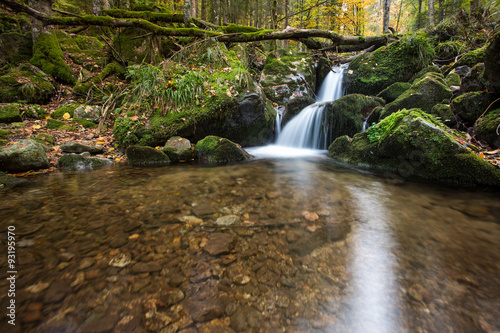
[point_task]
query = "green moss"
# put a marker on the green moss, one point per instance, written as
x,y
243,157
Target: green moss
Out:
x,y
215,149
470,106
54,124
469,59
85,123
44,138
4,133
114,67
234,28
448,50
22,85
425,72
67,108
146,156
391,93
486,128
9,113
444,113
453,79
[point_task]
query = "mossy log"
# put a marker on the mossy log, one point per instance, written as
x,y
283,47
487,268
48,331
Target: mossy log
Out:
x,y
242,35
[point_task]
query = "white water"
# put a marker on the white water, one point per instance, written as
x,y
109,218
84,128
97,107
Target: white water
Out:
x,y
305,134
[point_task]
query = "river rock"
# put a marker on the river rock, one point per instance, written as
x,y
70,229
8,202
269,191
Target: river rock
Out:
x,y
24,155
99,324
9,113
145,267
246,318
227,220
172,296
475,81
80,163
294,106
413,144
56,292
219,243
215,149
206,310
178,149
146,156
392,92
78,148
88,112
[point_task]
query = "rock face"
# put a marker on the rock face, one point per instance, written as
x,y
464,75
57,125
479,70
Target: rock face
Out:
x,y
372,72
80,163
423,94
24,155
294,106
215,149
146,156
486,128
178,149
9,113
413,144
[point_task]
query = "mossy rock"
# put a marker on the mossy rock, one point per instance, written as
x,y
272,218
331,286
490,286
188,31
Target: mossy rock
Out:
x,y
425,72
86,51
444,113
476,80
4,133
146,156
391,93
8,23
411,144
54,124
372,72
48,56
137,50
23,155
492,64
178,149
214,149
470,59
486,129
9,113
470,106
423,94
289,76
80,163
84,122
33,111
67,108
453,79
44,138
23,85
7,180
16,48
345,115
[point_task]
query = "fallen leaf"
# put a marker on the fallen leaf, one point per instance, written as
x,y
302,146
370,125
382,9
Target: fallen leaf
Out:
x,y
36,127
66,116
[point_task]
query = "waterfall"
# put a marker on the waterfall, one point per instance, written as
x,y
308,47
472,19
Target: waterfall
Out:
x,y
306,129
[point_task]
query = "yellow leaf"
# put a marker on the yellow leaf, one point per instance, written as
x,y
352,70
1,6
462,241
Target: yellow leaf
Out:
x,y
481,155
228,92
66,116
100,142
37,126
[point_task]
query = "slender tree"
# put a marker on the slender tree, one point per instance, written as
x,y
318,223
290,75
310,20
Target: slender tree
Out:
x,y
431,13
187,13
387,15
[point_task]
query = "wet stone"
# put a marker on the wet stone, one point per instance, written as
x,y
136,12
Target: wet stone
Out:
x,y
172,296
227,220
86,263
99,325
143,267
118,241
57,291
219,243
120,260
245,318
204,210
128,324
214,326
206,310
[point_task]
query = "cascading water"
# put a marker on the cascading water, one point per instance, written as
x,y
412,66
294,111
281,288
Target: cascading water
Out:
x,y
306,134
305,130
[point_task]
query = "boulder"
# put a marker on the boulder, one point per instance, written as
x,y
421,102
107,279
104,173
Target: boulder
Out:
x,y
26,83
15,47
80,163
146,156
215,149
392,92
288,77
488,127
423,94
372,72
23,155
9,113
453,79
444,113
425,72
475,81
492,64
413,144
88,112
294,106
78,148
470,106
178,149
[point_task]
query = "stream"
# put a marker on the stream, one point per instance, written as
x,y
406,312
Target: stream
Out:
x,y
269,245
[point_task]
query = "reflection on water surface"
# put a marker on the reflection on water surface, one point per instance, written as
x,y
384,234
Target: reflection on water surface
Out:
x,y
269,245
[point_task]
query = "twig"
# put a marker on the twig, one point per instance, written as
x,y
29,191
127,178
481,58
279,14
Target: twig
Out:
x,y
66,13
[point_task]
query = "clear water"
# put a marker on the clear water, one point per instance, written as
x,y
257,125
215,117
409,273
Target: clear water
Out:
x,y
306,247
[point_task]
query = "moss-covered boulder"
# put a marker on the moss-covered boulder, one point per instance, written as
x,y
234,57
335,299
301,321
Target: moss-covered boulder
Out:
x,y
62,110
470,106
294,106
488,127
475,81
146,156
9,113
80,163
83,50
411,144
54,124
26,83
444,113
372,72
287,77
23,155
44,139
179,149
88,112
48,56
492,64
469,59
426,72
15,47
345,115
423,94
453,79
214,149
392,92
78,148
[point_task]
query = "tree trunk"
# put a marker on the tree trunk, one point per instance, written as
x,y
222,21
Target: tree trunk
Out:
x,y
274,15
441,11
37,26
187,13
204,10
97,7
431,13
387,16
